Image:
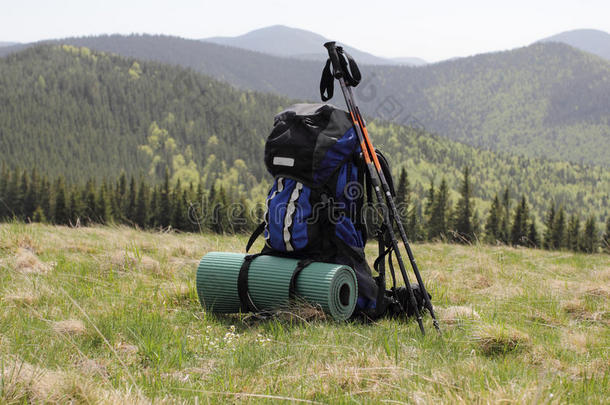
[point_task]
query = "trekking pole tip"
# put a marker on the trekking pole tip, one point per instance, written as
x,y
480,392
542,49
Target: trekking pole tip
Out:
x,y
436,326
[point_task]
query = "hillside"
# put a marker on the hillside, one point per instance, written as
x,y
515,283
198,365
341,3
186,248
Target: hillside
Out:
x,y
285,41
546,100
75,112
111,315
594,41
543,100
86,114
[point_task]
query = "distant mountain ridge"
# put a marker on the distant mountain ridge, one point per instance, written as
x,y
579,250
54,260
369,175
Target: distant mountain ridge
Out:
x,y
594,41
280,40
7,43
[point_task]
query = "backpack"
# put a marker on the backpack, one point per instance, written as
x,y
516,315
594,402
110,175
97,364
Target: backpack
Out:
x,y
314,207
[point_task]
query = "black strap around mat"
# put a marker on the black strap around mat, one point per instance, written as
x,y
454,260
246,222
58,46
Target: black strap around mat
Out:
x,y
242,284
293,280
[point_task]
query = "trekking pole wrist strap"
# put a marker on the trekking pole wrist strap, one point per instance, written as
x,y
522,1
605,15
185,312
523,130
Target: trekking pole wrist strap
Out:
x,y
340,64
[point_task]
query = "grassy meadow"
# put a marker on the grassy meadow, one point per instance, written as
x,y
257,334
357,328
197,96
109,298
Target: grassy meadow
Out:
x,y
110,315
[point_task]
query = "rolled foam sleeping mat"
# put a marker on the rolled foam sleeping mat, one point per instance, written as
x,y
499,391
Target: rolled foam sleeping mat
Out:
x,y
331,286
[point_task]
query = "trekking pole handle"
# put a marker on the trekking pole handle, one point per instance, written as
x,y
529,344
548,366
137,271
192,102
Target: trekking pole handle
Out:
x,y
334,58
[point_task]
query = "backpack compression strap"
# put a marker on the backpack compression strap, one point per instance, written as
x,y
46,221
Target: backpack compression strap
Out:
x,y
242,285
293,280
349,68
257,232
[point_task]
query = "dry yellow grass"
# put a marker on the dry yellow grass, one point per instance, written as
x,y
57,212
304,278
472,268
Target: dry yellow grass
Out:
x,y
575,340
21,296
69,327
495,339
455,314
23,382
26,262
127,261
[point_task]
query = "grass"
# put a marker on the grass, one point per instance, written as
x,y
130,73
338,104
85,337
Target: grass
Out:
x,y
110,315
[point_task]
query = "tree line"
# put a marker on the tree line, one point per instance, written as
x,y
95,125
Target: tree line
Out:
x,y
31,197
504,224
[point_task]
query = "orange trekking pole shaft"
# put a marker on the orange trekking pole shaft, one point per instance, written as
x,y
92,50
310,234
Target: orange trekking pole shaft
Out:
x,y
375,172
379,180
396,217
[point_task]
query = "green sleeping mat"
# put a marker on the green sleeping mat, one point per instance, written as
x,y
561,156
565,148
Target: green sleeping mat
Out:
x,y
331,286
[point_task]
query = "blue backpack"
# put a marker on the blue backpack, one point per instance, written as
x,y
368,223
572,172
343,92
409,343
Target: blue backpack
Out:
x,y
314,208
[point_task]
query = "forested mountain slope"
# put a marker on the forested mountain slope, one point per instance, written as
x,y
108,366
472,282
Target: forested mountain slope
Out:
x,y
547,99
76,112
80,113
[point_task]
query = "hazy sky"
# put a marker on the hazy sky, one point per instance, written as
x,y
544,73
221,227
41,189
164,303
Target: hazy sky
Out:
x,y
432,30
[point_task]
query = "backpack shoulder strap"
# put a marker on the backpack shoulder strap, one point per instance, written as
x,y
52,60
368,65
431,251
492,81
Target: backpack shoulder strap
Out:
x,y
257,232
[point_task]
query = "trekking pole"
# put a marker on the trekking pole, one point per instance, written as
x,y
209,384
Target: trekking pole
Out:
x,y
375,173
365,143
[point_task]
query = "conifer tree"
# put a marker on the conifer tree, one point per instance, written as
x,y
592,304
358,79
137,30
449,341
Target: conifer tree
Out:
x,y
476,224
45,197
38,215
429,200
558,236
440,210
239,219
103,205
61,216
606,238
180,207
155,198
24,185
219,218
164,217
464,210
550,224
403,197
573,233
505,220
198,209
130,206
589,237
210,218
90,203
11,195
532,235
142,208
31,200
176,205
492,226
74,207
518,234
414,228
119,200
